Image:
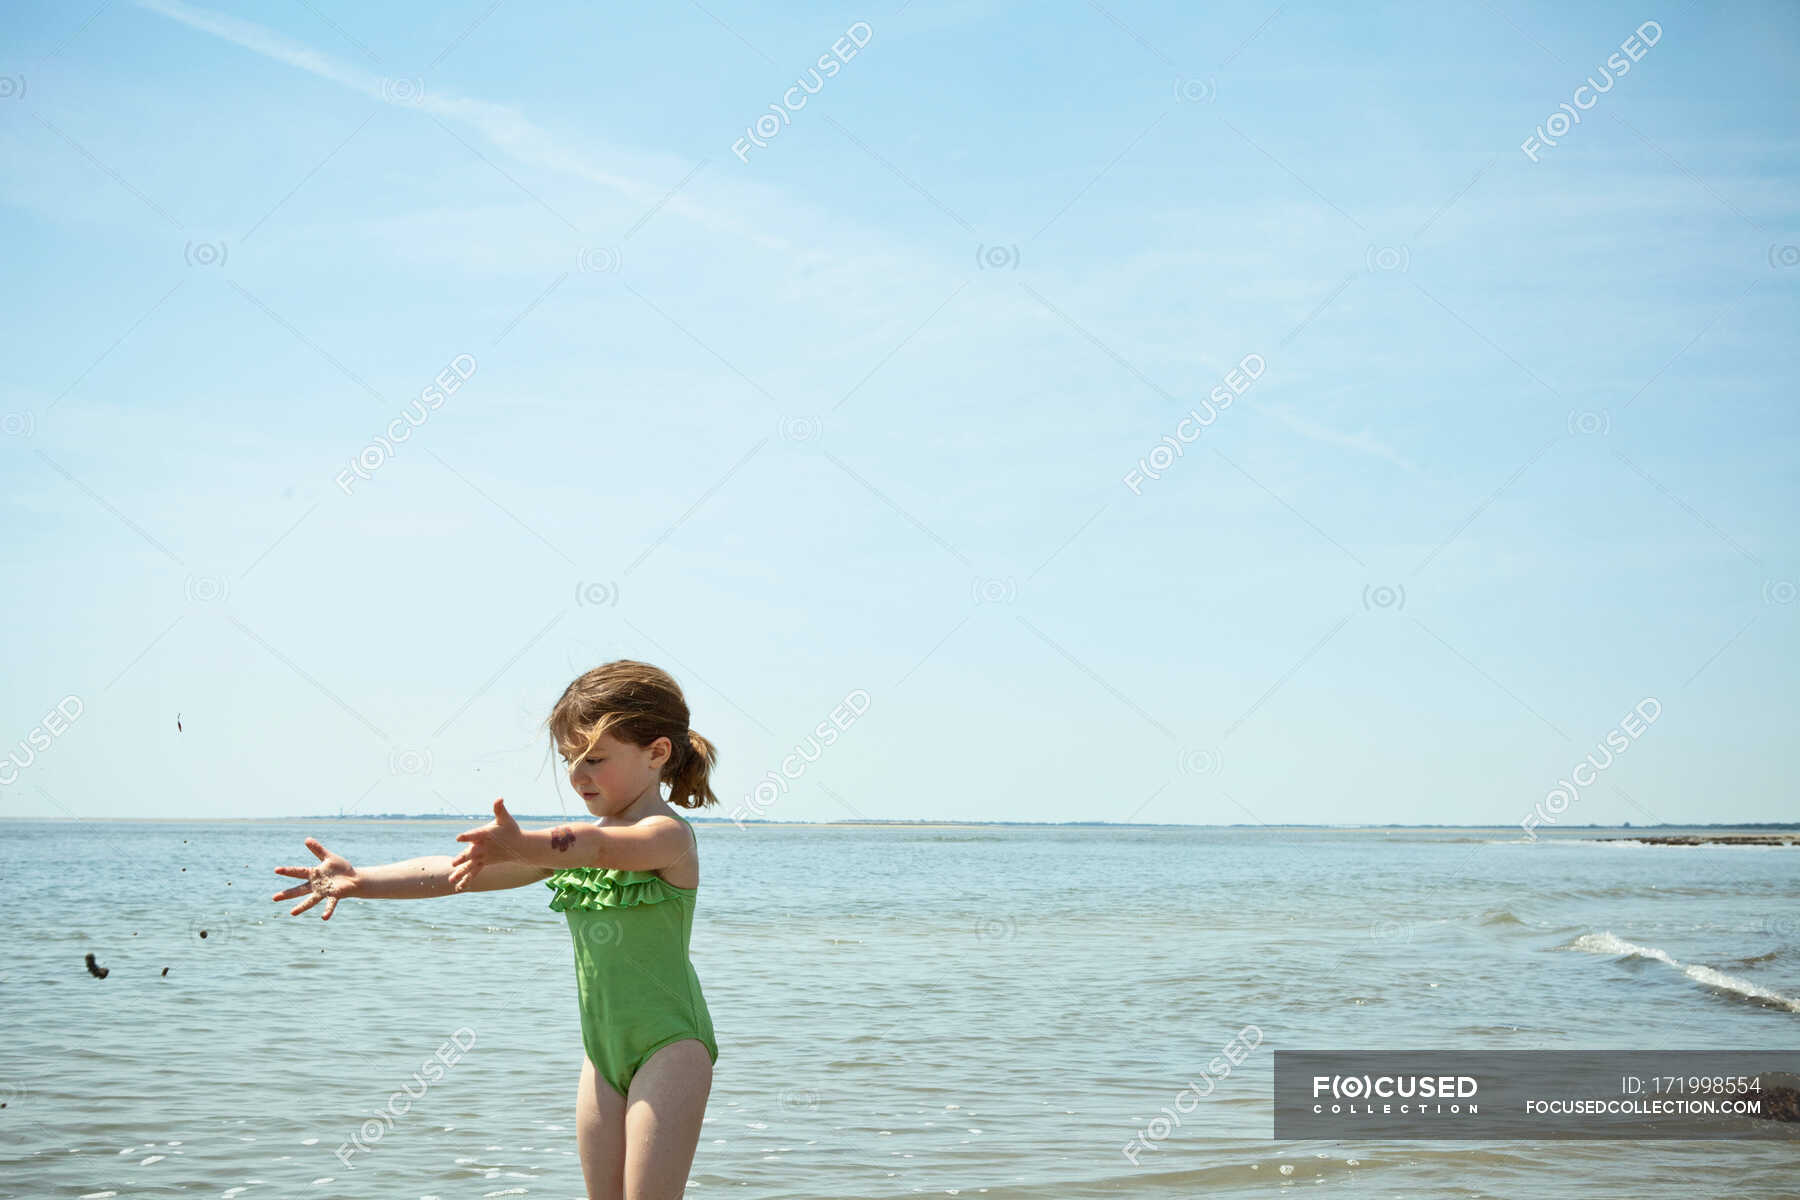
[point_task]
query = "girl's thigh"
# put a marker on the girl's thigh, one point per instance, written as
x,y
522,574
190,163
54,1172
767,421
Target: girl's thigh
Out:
x,y
663,1112
600,1135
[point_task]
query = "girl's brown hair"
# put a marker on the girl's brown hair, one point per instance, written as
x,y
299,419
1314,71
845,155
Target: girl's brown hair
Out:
x,y
637,703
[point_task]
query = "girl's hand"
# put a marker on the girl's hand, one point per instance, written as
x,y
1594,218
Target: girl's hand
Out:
x,y
331,880
499,841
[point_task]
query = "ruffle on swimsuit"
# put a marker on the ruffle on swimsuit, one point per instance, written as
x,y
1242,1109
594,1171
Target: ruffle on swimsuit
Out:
x,y
595,888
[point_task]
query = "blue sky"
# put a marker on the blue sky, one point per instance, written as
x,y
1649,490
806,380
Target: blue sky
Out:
x,y
856,412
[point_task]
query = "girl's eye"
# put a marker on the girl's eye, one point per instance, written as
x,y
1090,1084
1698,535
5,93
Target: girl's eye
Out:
x,y
593,760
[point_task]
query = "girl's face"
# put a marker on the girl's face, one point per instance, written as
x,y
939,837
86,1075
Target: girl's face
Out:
x,y
614,774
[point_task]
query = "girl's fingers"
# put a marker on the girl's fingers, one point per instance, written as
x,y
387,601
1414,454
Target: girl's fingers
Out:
x,y
304,905
292,892
319,851
296,872
330,907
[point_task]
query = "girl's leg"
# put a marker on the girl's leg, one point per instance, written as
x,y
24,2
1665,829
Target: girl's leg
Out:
x,y
600,1135
663,1111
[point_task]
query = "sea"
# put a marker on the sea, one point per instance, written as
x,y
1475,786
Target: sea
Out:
x,y
994,1011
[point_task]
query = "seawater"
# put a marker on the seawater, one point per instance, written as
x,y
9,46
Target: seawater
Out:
x,y
993,1011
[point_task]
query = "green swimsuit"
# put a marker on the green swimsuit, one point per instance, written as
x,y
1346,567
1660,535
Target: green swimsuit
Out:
x,y
637,988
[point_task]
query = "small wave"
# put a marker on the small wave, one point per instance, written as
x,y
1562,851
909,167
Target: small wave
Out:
x,y
1650,891
1610,943
1498,916
1756,958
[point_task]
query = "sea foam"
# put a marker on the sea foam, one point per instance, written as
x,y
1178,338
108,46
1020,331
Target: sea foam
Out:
x,y
1610,943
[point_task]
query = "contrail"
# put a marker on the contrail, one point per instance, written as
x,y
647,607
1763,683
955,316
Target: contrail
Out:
x,y
504,128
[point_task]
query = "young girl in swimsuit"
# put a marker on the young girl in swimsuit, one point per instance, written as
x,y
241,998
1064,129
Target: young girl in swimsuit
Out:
x,y
627,884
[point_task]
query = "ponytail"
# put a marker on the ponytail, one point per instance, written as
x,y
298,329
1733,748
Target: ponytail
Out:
x,y
689,771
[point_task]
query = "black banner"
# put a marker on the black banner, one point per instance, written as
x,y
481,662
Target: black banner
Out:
x,y
1489,1094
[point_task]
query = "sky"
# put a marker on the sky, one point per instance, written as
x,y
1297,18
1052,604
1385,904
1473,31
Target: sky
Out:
x,y
1080,412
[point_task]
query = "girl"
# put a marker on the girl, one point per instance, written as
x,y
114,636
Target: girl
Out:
x,y
627,885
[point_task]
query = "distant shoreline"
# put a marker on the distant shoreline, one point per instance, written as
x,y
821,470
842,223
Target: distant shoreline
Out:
x,y
1717,839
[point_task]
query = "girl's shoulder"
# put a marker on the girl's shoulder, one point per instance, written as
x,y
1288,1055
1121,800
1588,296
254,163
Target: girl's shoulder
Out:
x,y
693,837
615,823
683,874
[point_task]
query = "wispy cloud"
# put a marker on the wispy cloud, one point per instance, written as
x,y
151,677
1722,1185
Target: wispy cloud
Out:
x,y
504,128
1363,442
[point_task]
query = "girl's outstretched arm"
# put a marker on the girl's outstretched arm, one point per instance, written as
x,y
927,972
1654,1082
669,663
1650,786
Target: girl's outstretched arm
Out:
x,y
647,845
333,878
